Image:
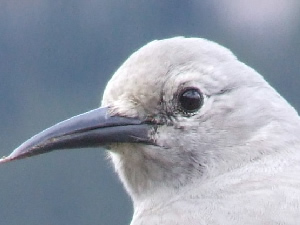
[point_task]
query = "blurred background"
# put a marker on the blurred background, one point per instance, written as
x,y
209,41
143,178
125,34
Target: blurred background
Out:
x,y
55,60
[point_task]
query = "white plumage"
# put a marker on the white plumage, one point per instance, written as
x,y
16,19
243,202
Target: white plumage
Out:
x,y
245,138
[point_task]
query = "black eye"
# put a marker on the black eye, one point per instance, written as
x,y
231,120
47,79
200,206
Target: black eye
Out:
x,y
190,100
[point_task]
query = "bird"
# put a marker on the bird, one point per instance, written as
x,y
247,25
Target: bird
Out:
x,y
196,136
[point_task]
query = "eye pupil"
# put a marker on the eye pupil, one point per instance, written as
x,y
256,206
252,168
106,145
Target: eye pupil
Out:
x,y
191,100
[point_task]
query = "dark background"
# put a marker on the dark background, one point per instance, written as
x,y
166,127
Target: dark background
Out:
x,y
55,60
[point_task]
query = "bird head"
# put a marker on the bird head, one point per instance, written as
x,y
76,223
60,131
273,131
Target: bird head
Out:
x,y
178,110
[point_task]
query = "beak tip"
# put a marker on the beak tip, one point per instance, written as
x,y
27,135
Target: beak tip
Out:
x,y
5,159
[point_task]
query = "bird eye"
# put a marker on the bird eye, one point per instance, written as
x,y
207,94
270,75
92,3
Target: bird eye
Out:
x,y
190,100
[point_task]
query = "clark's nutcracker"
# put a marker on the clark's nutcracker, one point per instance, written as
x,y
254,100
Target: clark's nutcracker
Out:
x,y
196,136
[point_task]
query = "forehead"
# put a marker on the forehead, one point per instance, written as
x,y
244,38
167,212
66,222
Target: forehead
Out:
x,y
138,85
149,69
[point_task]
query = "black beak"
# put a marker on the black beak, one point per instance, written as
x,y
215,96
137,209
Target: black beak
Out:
x,y
91,129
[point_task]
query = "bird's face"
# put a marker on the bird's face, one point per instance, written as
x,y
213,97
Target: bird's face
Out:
x,y
196,96
172,113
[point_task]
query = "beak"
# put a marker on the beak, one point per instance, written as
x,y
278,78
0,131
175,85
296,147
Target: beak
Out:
x,y
91,129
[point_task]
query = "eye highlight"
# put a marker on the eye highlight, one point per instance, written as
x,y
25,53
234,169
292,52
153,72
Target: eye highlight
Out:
x,y
190,100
